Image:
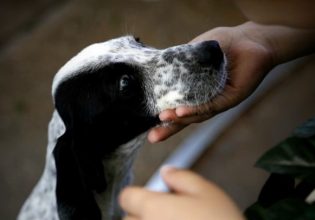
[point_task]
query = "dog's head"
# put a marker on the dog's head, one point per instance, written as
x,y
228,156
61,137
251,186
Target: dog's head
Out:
x,y
188,74
113,91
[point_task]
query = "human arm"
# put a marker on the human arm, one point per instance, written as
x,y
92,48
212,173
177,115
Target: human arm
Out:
x,y
252,50
293,13
191,198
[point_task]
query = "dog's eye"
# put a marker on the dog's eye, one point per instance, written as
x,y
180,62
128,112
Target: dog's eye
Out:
x,y
124,82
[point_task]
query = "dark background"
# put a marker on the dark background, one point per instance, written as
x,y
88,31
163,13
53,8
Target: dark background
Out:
x,y
38,36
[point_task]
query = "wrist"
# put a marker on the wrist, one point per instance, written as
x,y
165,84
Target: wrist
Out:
x,y
260,35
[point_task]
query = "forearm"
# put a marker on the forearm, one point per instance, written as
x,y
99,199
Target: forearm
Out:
x,y
294,13
286,43
291,43
287,26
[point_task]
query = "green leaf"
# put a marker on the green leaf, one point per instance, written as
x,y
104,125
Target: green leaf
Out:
x,y
280,199
256,212
287,209
276,188
294,156
304,189
291,209
306,130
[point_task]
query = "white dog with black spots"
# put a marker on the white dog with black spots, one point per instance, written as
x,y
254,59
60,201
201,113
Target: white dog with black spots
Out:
x,y
106,98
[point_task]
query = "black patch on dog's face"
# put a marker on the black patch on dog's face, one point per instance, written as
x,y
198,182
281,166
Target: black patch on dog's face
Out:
x,y
102,110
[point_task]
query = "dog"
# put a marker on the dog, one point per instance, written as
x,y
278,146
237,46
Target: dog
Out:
x,y
106,98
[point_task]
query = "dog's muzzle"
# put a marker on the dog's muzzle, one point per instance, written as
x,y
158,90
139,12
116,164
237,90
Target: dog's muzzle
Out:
x,y
209,53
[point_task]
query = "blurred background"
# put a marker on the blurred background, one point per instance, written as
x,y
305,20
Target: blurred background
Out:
x,y
38,36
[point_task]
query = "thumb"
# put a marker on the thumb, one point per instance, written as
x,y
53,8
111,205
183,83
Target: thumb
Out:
x,y
183,181
187,183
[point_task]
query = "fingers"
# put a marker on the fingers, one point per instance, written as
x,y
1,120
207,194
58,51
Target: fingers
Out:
x,y
175,124
193,197
229,97
163,132
132,198
185,115
197,113
188,183
140,203
184,181
168,115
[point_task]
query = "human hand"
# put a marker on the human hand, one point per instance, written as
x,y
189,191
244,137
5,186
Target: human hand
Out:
x,y
192,198
250,57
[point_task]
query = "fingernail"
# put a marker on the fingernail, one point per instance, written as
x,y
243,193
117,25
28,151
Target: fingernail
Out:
x,y
180,112
167,169
154,140
152,137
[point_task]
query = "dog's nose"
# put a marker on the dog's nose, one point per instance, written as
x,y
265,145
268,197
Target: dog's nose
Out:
x,y
209,53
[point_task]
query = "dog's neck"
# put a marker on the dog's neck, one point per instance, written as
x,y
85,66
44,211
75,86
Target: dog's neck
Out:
x,y
42,203
118,174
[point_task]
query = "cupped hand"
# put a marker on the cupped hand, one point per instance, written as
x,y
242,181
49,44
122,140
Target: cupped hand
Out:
x,y
192,198
250,57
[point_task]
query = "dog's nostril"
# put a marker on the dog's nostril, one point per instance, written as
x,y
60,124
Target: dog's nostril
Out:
x,y
209,53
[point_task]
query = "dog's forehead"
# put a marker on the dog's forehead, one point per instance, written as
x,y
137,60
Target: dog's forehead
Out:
x,y
120,50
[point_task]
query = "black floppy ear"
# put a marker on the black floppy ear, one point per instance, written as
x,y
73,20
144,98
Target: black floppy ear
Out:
x,y
74,198
78,161
92,106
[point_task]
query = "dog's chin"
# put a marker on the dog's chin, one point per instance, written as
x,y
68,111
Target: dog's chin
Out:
x,y
170,104
194,96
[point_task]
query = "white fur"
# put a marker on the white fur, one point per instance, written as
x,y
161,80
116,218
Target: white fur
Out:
x,y
167,82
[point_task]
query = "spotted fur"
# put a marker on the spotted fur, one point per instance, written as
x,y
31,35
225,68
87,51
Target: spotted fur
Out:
x,y
106,98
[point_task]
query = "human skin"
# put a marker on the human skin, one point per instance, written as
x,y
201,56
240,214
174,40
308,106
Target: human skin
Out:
x,y
192,198
294,13
252,50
